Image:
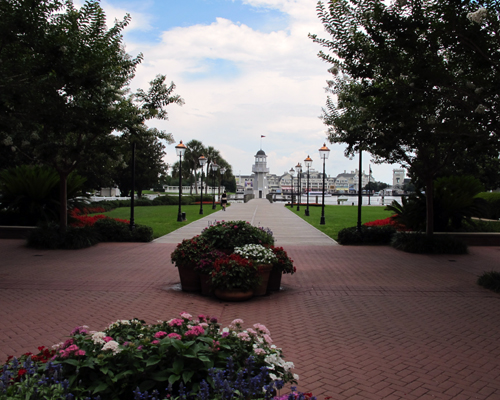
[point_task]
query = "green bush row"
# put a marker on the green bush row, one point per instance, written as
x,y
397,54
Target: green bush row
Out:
x,y
491,207
410,242
157,201
104,230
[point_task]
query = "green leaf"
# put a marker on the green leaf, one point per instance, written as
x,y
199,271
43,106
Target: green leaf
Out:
x,y
153,360
159,376
173,378
102,386
72,361
187,375
178,366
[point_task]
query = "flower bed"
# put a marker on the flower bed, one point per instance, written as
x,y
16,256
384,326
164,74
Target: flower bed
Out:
x,y
183,358
234,256
80,218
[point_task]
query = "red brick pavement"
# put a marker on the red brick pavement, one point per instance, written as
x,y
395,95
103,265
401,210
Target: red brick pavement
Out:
x,y
358,322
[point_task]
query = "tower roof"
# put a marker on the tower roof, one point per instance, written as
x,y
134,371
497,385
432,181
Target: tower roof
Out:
x,y
261,153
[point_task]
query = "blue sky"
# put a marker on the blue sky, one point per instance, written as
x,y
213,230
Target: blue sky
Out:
x,y
245,69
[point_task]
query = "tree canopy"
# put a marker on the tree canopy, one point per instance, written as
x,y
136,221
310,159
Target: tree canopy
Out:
x,y
414,82
64,78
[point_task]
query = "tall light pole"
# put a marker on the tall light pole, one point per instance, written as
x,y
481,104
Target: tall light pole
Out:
x,y
214,167
307,162
291,172
202,160
180,149
222,172
324,152
369,184
298,168
360,192
132,194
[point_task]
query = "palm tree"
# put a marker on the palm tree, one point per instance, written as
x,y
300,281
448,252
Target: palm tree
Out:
x,y
193,152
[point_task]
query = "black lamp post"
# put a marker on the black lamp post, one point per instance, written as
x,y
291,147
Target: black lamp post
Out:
x,y
360,192
180,149
291,172
202,161
222,172
214,167
324,152
298,168
132,192
369,184
307,162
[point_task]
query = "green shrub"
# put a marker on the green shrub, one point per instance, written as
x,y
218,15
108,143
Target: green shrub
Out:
x,y
143,201
79,238
378,235
491,209
45,237
110,230
490,280
424,244
230,234
142,233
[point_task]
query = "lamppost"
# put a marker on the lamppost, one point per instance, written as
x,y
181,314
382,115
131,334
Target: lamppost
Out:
x,y
298,168
132,224
222,172
292,172
202,161
180,149
369,184
214,167
360,191
307,162
324,152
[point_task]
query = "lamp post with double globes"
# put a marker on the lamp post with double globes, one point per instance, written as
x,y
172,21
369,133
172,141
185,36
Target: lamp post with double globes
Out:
x,y
292,172
214,167
324,152
222,172
180,149
307,162
202,161
298,169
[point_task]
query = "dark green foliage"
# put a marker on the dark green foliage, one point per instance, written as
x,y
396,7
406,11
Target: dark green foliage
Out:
x,y
410,212
32,193
79,238
369,235
420,243
491,208
490,280
110,230
165,200
227,235
46,237
142,233
143,201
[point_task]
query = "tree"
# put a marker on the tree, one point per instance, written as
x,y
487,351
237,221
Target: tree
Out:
x,y
73,75
414,82
194,151
375,186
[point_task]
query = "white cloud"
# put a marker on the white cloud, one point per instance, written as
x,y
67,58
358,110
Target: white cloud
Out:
x,y
273,87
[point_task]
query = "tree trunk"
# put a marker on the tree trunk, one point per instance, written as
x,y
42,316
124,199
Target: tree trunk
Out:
x,y
429,200
63,201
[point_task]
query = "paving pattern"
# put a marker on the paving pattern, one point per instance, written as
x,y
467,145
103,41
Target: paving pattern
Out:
x,y
358,322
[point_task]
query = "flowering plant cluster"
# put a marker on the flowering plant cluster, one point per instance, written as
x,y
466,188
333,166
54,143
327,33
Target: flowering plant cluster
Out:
x,y
226,235
190,251
385,222
184,356
234,272
283,263
257,253
80,218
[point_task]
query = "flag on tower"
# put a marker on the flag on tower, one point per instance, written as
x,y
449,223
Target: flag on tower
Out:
x,y
262,136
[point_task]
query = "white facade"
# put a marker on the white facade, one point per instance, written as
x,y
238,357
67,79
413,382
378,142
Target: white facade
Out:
x,y
260,171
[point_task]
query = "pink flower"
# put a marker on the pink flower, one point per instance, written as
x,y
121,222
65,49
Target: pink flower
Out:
x,y
236,324
204,325
202,318
185,315
155,342
67,343
259,351
268,339
251,332
176,322
107,339
196,331
160,334
244,336
174,336
80,353
261,329
225,334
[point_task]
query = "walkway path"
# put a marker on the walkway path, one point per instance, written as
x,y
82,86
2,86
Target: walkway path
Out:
x,y
288,228
358,322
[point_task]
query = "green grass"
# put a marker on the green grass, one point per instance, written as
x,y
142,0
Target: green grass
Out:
x,y
163,219
339,217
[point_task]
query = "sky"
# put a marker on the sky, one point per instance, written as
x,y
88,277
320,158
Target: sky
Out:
x,y
246,69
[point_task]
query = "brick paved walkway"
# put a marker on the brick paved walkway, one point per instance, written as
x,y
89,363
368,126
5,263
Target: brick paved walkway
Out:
x,y
358,322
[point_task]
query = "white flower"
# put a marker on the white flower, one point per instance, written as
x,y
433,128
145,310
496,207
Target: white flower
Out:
x,y
273,377
34,135
97,337
58,345
296,377
113,346
478,16
288,366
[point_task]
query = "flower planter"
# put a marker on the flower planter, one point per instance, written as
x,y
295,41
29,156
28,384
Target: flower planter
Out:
x,y
274,284
233,294
190,279
206,284
264,272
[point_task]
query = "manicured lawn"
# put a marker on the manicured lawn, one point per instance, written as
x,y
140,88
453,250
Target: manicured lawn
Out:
x,y
339,217
163,219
